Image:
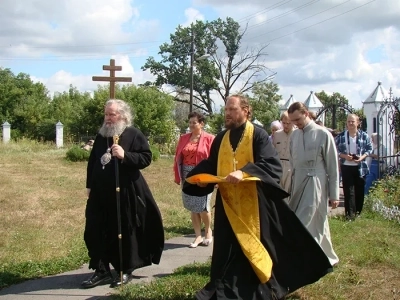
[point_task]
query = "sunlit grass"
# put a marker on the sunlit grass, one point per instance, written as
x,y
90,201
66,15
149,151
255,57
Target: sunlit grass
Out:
x,y
42,204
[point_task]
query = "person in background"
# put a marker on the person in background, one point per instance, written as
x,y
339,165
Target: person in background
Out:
x,y
141,223
192,148
353,146
313,116
315,180
275,126
374,161
281,143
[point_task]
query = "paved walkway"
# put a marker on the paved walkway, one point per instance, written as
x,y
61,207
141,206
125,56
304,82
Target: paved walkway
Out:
x,y
340,210
66,285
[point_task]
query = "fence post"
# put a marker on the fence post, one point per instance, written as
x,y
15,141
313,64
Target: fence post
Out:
x,y
59,135
6,132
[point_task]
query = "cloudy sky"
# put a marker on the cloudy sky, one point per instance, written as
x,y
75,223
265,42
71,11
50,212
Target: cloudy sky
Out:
x,y
343,46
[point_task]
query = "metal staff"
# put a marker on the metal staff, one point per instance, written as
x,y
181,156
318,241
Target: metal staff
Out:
x,y
117,190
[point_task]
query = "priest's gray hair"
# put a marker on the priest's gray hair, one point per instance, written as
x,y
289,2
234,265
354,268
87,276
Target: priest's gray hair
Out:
x,y
124,110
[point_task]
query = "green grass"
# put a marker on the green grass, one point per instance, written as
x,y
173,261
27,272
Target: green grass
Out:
x,y
17,271
42,204
181,285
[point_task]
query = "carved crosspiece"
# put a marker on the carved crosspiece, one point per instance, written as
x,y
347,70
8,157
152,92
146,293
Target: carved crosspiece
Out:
x,y
112,79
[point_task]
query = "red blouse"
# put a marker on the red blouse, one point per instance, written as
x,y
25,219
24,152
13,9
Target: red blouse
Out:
x,y
189,153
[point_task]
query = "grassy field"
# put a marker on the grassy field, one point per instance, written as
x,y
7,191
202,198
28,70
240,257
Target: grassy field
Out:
x,y
42,202
369,268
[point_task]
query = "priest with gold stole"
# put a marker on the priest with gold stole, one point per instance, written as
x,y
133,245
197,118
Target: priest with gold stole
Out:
x,y
261,249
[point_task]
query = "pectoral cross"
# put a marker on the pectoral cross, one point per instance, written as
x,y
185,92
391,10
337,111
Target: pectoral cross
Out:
x,y
235,162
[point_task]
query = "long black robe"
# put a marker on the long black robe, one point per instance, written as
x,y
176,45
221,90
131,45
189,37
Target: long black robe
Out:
x,y
142,229
297,258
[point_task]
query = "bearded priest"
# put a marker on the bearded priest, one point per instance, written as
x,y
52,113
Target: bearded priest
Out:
x,y
261,249
119,161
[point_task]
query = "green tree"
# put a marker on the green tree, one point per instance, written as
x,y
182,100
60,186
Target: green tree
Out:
x,y
221,74
181,116
93,110
264,101
363,119
337,107
245,65
152,109
217,121
174,68
23,103
68,107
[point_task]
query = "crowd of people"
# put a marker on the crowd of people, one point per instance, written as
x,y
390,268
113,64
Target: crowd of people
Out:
x,y
271,230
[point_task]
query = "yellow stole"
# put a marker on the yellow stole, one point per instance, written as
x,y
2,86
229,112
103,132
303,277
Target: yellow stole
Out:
x,y
241,202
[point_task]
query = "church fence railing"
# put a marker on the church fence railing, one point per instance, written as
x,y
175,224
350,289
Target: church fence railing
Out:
x,y
388,131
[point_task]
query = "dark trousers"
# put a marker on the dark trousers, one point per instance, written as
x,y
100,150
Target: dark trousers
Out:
x,y
353,190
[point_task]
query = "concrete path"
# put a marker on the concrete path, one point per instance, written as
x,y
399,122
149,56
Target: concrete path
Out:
x,y
67,285
339,210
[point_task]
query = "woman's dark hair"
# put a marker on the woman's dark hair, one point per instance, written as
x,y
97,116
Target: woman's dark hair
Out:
x,y
194,114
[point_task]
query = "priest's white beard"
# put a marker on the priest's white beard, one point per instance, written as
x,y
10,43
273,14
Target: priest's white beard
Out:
x,y
112,129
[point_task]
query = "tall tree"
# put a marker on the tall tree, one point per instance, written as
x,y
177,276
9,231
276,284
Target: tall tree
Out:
x,y
181,113
217,122
228,70
174,69
68,107
264,101
23,103
239,69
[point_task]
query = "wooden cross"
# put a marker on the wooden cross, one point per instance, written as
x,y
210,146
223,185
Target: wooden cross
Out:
x,y
112,79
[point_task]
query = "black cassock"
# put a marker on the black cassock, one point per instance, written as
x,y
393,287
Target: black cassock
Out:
x,y
297,258
142,229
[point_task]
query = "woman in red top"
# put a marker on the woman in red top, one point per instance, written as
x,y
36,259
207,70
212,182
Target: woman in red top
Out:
x,y
192,148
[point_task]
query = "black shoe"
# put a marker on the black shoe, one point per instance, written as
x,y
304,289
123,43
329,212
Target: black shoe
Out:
x,y
96,279
117,280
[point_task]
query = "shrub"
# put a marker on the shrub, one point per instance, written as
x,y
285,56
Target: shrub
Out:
x,y
155,152
384,198
75,153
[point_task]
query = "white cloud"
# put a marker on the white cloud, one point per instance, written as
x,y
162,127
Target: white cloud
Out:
x,y
192,15
62,79
73,27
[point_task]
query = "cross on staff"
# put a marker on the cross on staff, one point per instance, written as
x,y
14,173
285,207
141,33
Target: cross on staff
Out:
x,y
112,79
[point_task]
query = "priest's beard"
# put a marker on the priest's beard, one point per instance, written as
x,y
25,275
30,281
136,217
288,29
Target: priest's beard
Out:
x,y
232,124
109,130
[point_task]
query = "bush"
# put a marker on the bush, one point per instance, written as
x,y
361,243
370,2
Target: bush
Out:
x,y
384,198
75,153
155,152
